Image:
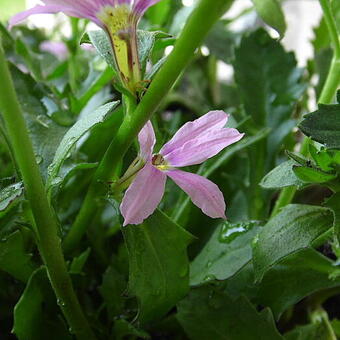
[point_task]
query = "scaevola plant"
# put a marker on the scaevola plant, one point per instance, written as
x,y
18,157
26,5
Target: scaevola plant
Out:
x,y
119,18
194,143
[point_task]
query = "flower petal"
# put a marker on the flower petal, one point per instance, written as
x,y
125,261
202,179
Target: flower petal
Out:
x,y
203,147
147,140
140,6
203,193
50,9
213,120
143,196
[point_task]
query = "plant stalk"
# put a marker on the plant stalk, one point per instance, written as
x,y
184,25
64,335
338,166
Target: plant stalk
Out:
x,y
47,238
196,28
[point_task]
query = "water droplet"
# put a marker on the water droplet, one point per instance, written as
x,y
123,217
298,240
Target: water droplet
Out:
x,y
60,302
71,330
209,264
209,277
229,232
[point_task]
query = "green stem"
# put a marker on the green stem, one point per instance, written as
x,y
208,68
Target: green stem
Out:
x,y
48,240
198,25
327,94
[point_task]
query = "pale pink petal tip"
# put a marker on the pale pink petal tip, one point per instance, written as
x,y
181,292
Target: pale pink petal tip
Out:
x,y
147,140
143,196
203,193
48,9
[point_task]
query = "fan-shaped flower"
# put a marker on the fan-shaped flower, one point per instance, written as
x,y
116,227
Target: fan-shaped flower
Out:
x,y
193,143
119,18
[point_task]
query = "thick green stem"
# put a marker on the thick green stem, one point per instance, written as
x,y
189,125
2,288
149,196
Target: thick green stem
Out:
x,y
326,97
198,25
48,240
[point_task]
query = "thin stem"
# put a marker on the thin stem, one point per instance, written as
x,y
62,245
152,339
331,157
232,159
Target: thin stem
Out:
x,y
331,25
327,94
48,240
198,25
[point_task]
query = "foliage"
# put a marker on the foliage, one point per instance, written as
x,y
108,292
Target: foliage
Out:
x,y
180,274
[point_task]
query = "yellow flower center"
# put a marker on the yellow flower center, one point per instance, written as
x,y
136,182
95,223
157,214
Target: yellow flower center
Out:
x,y
121,26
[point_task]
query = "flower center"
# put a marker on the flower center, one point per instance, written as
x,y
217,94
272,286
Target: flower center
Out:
x,y
121,24
159,162
115,18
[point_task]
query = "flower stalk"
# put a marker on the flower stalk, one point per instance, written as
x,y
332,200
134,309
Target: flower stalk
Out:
x,y
196,28
47,238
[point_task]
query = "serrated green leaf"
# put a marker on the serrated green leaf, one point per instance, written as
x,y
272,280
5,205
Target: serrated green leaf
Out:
x,y
226,252
281,176
334,203
271,13
312,175
270,84
35,314
322,158
14,258
159,266
9,194
281,286
323,125
73,135
293,229
207,313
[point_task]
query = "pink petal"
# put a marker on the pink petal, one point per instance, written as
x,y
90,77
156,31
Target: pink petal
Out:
x,y
203,193
143,196
213,120
147,140
16,19
140,6
196,151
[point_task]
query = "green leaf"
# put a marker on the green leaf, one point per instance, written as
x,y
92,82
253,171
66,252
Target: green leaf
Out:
x,y
36,313
322,158
14,258
270,84
281,176
271,13
315,331
312,175
73,135
226,252
9,194
293,229
112,290
159,266
281,286
207,313
221,42
158,14
333,203
323,125
79,262
123,328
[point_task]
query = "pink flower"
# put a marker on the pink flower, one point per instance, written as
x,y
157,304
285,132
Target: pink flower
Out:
x,y
119,18
193,143
58,48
